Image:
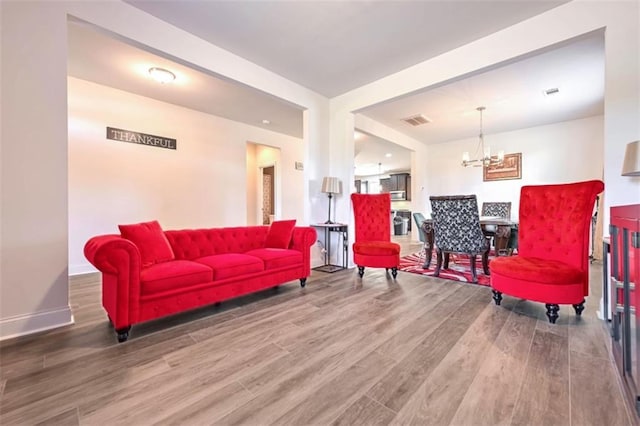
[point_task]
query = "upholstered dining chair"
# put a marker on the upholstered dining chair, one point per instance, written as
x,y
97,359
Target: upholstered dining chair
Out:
x,y
552,265
373,246
418,219
456,225
495,209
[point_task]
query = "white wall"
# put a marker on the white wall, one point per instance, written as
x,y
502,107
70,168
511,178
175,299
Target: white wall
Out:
x,y
33,250
569,151
203,183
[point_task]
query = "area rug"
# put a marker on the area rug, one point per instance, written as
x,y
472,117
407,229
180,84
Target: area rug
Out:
x,y
459,268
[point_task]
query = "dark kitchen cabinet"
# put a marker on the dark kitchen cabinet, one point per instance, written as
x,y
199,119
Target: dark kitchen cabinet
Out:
x,y
385,185
399,181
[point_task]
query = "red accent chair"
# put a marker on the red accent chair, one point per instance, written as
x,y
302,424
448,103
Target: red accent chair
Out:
x,y
552,265
373,246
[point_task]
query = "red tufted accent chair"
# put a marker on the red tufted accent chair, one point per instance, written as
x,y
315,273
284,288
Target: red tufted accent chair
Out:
x,y
373,246
552,265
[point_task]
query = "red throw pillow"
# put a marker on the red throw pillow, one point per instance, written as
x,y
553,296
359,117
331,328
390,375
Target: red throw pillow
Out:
x,y
280,233
150,240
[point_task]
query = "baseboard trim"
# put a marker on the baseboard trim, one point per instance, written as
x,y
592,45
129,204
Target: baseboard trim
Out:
x,y
81,269
22,325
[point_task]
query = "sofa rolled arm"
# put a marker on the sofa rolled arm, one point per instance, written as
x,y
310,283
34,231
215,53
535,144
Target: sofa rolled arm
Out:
x,y
100,251
302,239
119,261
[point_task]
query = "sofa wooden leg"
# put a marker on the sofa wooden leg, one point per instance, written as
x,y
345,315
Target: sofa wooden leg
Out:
x,y
303,282
497,297
394,272
361,271
579,307
552,312
123,334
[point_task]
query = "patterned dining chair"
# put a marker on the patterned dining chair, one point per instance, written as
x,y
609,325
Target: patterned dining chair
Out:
x,y
457,229
495,209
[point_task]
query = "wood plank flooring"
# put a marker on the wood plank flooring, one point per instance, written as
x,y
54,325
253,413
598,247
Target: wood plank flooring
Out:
x,y
341,351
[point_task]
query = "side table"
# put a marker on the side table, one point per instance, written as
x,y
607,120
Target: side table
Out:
x,y
341,230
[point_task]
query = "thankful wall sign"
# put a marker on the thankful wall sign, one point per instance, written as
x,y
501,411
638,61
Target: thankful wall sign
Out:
x,y
140,138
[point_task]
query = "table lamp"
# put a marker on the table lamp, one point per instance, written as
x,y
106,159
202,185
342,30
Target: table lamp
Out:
x,y
330,186
631,163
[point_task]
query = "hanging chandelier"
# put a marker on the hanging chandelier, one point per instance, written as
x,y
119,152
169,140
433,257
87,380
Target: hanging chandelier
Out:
x,y
483,156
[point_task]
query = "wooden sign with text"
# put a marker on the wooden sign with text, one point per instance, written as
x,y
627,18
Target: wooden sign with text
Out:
x,y
140,138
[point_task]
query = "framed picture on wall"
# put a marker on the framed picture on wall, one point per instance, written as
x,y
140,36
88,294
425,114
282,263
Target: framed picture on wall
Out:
x,y
510,168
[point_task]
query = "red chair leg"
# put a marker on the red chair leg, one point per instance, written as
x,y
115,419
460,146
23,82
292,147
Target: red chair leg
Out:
x,y
579,307
497,297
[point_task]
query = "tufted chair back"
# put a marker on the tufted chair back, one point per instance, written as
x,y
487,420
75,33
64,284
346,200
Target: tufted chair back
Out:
x,y
372,213
373,246
552,265
497,209
555,221
456,224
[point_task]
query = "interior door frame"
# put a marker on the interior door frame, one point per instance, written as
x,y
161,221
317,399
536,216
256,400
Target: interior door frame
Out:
x,y
260,194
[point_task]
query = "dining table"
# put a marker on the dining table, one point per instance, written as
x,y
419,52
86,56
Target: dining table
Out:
x,y
492,226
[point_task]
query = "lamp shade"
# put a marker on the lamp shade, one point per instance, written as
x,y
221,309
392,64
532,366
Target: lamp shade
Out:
x,y
631,163
331,185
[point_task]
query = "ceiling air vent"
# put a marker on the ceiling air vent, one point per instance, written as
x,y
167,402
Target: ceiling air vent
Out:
x,y
551,91
416,120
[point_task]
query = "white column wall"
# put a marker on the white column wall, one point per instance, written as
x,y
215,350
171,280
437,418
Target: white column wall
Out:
x,y
34,289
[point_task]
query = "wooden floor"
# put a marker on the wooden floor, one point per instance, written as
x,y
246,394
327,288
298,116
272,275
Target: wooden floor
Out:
x,y
342,351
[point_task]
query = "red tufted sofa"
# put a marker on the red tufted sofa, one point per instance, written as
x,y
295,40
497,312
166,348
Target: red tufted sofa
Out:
x,y
154,273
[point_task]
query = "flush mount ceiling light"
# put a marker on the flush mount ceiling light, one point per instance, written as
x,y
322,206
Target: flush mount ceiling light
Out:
x,y
161,75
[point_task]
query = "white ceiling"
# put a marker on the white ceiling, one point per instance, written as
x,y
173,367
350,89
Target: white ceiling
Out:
x,y
100,57
513,95
333,47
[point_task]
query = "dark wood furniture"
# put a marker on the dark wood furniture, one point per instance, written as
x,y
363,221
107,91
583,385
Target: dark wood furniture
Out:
x,y
397,182
624,233
502,235
385,185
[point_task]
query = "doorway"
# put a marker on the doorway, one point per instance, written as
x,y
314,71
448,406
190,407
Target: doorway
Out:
x,y
268,194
